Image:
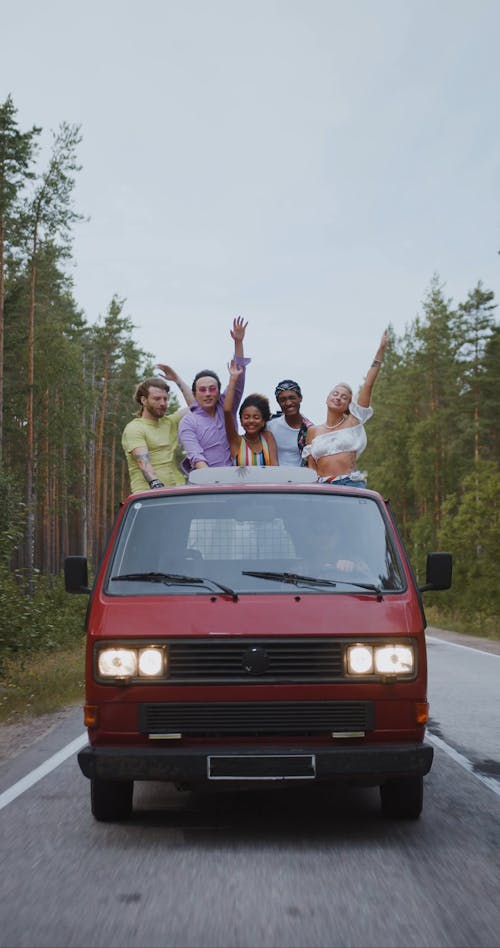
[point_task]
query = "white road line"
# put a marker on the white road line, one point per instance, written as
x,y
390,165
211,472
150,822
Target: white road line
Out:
x,y
30,779
463,762
470,648
26,782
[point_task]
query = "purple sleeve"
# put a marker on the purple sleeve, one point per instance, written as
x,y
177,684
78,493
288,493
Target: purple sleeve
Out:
x,y
189,438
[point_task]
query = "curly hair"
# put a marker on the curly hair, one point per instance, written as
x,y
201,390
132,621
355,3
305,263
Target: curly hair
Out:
x,y
257,401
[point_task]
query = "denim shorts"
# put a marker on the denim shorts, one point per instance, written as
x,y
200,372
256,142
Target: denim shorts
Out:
x,y
355,479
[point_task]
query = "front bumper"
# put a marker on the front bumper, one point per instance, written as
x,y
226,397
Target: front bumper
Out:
x,y
194,765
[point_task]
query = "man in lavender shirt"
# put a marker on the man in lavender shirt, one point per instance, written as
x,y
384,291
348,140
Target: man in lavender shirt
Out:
x,y
202,430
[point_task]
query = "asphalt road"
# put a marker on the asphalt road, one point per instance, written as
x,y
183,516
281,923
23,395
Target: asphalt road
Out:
x,y
298,868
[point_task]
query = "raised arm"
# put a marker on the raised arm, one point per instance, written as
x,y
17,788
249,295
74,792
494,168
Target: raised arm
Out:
x,y
238,334
365,391
173,376
234,439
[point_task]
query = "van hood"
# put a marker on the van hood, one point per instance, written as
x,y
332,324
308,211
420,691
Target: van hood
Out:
x,y
291,613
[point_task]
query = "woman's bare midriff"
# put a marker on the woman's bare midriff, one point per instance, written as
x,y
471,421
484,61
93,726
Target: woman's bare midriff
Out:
x,y
333,465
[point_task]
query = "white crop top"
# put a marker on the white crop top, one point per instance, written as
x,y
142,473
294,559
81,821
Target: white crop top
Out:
x,y
346,439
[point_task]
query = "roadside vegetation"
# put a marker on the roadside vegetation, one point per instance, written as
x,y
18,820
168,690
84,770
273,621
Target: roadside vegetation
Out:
x,y
41,647
66,387
42,684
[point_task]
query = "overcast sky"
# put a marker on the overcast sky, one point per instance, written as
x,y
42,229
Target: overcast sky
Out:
x,y
307,164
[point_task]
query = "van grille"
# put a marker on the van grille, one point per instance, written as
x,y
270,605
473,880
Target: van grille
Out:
x,y
221,718
258,659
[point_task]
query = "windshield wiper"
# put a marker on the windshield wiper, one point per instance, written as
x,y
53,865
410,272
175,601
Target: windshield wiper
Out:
x,y
175,579
371,587
295,578
157,578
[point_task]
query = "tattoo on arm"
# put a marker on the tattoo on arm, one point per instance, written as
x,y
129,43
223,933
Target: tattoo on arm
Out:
x,y
141,455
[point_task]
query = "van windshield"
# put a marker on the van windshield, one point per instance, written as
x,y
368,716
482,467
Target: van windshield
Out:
x,y
253,542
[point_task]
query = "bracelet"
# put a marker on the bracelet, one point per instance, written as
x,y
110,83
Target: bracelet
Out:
x,y
375,363
155,484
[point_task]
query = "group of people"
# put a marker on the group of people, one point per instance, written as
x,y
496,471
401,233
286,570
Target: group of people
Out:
x,y
207,427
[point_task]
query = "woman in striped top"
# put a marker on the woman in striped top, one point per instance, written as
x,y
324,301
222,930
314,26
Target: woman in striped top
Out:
x,y
256,446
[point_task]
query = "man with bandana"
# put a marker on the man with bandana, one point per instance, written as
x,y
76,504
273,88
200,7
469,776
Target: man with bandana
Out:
x,y
289,426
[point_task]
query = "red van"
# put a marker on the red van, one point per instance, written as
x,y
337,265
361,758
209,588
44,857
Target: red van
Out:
x,y
254,626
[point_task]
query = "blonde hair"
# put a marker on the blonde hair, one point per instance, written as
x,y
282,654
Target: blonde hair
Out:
x,y
344,385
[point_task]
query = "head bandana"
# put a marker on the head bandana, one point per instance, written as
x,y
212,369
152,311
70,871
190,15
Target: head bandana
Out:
x,y
287,386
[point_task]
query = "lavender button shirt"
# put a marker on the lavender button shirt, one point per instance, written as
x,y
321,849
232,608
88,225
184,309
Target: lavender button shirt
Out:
x,y
203,436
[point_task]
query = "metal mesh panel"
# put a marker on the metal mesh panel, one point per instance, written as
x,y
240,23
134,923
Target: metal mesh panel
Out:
x,y
229,539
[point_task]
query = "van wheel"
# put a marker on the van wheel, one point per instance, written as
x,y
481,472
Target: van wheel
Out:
x,y
111,800
402,798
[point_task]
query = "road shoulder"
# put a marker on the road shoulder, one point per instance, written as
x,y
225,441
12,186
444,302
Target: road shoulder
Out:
x,y
19,735
472,641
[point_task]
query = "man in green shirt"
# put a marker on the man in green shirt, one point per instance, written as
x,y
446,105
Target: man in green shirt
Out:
x,y
150,440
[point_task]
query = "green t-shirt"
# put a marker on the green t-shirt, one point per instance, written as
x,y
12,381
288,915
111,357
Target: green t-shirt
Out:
x,y
159,436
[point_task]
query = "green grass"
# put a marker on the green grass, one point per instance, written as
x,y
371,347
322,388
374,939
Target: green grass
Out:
x,y
42,682
486,627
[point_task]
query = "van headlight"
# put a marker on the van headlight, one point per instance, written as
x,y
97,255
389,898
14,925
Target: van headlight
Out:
x,y
386,660
119,662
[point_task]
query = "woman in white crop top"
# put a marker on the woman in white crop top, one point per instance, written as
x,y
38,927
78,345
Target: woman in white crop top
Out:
x,y
333,448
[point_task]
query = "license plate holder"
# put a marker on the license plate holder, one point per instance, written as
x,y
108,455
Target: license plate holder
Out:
x,y
261,767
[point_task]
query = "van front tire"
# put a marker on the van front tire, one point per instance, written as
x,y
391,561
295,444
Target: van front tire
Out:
x,y
111,800
402,798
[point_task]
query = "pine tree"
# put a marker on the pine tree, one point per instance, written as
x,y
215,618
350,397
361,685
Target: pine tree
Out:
x,y
471,532
16,152
490,416
46,221
474,325
114,358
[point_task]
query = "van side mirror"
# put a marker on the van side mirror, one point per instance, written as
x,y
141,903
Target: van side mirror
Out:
x,y
438,572
76,574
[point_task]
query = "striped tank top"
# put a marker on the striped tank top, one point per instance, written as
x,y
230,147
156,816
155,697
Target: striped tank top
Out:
x,y
246,457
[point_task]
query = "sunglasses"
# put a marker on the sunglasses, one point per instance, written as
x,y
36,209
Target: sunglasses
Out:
x,y
203,389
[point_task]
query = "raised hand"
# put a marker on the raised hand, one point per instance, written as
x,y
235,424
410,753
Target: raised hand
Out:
x,y
238,330
385,339
167,371
234,370
379,355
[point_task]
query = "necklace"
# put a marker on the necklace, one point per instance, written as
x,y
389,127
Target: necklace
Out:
x,y
253,442
337,425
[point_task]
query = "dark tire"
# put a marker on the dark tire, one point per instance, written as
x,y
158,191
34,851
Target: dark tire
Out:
x,y
402,798
111,800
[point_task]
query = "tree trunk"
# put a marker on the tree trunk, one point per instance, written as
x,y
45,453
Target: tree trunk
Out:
x,y
29,543
2,324
63,504
99,507
112,485
46,563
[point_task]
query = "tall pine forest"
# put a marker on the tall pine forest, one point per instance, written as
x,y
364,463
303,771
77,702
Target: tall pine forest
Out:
x,y
434,448
66,388
66,392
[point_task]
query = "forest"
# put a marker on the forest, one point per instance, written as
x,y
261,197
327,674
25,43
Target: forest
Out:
x,y
66,389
